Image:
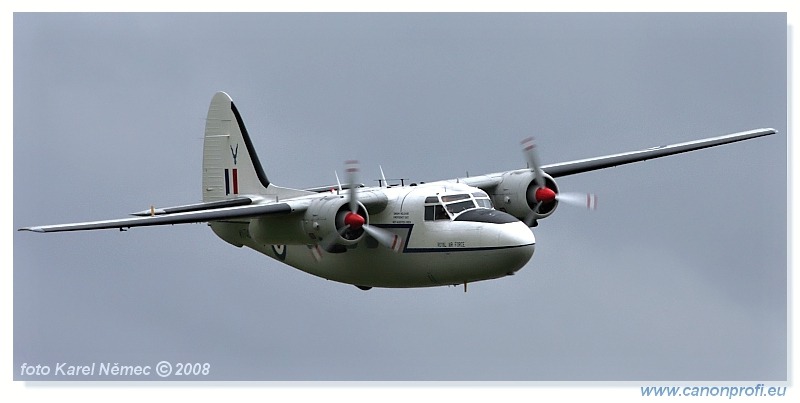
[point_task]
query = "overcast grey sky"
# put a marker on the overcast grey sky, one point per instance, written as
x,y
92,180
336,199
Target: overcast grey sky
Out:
x,y
680,275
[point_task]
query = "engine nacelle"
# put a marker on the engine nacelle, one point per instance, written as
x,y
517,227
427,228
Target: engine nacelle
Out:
x,y
322,222
515,195
325,218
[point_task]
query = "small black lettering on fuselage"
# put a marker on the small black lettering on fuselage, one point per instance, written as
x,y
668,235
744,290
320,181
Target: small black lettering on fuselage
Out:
x,y
451,244
401,217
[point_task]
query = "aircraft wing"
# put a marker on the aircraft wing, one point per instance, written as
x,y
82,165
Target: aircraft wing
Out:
x,y
591,164
201,212
238,201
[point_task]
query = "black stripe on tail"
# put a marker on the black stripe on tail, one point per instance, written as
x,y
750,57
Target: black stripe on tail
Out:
x,y
262,176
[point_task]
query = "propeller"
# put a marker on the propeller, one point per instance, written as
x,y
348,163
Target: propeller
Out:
x,y
529,148
541,194
355,219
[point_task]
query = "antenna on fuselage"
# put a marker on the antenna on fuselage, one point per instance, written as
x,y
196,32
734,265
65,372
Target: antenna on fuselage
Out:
x,y
383,177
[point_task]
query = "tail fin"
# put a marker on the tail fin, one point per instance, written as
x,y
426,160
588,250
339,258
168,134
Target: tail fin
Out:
x,y
230,163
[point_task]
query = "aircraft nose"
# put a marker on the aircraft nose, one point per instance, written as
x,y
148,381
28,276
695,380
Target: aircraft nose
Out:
x,y
518,243
517,233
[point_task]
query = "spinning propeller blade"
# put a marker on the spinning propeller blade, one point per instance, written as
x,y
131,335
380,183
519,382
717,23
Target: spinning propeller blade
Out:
x,y
529,148
385,238
355,221
541,194
588,200
351,168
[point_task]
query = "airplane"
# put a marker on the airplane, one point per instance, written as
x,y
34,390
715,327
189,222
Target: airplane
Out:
x,y
443,233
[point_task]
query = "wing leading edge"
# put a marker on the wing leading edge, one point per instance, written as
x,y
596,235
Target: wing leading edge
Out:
x,y
591,164
185,217
223,210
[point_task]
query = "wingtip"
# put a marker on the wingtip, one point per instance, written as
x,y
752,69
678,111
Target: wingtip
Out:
x,y
32,229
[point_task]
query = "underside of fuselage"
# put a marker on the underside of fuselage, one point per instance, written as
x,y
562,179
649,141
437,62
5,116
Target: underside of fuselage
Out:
x,y
367,264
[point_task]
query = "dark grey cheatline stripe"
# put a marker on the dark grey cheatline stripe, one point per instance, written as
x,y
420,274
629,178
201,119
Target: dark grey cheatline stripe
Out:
x,y
410,228
451,250
262,176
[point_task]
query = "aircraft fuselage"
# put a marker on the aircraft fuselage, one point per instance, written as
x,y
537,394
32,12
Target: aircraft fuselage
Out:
x,y
476,243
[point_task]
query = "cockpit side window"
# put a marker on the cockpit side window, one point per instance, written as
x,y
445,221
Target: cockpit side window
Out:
x,y
440,214
434,210
428,213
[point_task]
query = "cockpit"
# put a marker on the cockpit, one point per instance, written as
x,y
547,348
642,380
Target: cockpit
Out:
x,y
448,206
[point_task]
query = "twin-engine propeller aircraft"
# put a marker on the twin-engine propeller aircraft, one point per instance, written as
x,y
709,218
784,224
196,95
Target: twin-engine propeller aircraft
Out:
x,y
449,232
